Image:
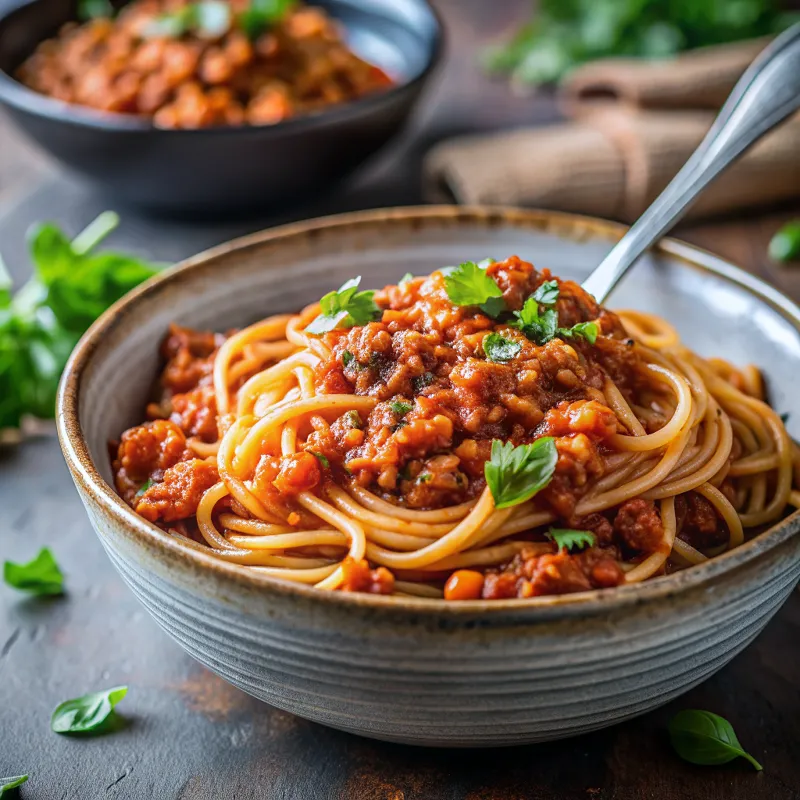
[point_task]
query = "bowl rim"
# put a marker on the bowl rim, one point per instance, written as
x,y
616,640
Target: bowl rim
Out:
x,y
170,548
19,97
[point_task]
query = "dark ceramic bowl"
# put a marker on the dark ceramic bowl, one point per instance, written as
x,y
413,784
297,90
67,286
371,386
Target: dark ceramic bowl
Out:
x,y
228,168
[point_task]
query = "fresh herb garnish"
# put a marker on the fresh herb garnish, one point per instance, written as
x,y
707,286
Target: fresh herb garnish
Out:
x,y
9,784
498,348
144,487
515,474
547,293
40,576
95,9
581,330
469,285
405,279
263,14
209,19
540,328
39,326
86,714
568,538
563,35
347,359
322,460
701,737
345,308
424,477
400,408
421,381
785,244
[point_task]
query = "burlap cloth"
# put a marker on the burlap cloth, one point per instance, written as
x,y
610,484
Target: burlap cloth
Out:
x,y
633,125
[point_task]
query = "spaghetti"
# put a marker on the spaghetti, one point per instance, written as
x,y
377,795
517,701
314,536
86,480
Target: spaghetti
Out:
x,y
485,431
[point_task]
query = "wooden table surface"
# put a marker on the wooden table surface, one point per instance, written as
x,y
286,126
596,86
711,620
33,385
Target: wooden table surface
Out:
x,y
190,735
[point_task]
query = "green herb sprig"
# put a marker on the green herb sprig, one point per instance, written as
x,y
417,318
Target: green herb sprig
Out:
x,y
41,323
701,737
345,308
515,474
400,408
541,325
7,785
262,15
498,348
568,538
41,576
565,33
469,285
95,9
209,19
785,244
88,714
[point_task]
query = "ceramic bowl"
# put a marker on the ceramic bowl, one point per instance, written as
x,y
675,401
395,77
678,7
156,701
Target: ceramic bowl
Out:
x,y
225,170
424,671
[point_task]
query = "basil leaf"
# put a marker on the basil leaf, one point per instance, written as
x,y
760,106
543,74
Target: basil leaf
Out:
x,y
785,244
86,714
400,408
701,737
40,576
322,460
515,474
498,348
582,330
345,308
94,9
568,538
469,285
9,784
546,294
262,14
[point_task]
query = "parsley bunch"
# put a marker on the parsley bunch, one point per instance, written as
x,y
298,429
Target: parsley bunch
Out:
x,y
42,322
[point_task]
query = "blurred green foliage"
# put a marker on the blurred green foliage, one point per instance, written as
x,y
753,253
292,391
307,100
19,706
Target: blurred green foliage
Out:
x,y
565,33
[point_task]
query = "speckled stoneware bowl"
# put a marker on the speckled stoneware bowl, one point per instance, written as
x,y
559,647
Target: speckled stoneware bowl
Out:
x,y
422,671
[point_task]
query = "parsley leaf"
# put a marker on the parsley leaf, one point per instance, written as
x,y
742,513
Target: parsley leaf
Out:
x,y
400,408
322,460
7,784
567,538
95,9
40,576
498,348
701,737
345,308
209,19
582,330
515,474
785,244
263,14
547,293
347,359
469,285
539,328
87,714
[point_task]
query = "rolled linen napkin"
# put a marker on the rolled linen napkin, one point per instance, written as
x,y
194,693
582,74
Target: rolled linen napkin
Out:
x,y
616,157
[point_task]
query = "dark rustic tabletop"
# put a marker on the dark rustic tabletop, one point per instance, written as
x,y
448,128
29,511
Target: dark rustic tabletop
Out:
x,y
190,735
